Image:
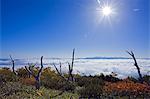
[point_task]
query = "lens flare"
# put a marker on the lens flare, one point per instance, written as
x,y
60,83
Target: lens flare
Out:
x,y
106,11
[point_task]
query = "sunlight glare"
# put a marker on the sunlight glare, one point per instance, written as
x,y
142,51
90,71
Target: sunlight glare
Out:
x,y
106,11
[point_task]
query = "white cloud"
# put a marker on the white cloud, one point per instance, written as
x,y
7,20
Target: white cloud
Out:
x,y
123,67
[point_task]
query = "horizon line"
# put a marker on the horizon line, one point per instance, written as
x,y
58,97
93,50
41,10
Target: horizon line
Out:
x,y
94,57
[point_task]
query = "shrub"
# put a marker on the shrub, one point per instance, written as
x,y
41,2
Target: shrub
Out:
x,y
27,81
127,88
52,83
69,86
132,79
91,87
82,81
57,83
21,72
146,79
6,75
16,90
110,78
50,79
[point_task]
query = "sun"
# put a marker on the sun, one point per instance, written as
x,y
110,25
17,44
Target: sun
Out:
x,y
106,10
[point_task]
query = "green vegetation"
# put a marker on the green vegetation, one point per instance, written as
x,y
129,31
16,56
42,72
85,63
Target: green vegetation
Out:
x,y
44,83
21,86
15,90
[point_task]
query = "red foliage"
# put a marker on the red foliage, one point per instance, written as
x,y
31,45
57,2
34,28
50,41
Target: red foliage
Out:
x,y
128,87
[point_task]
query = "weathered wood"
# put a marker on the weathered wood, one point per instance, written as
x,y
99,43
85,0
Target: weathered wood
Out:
x,y
59,72
37,77
136,65
31,66
70,78
13,65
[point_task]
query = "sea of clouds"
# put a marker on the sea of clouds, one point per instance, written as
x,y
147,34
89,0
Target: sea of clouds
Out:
x,y
123,67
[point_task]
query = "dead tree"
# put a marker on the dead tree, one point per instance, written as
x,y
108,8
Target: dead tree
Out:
x,y
31,66
71,67
60,68
13,65
37,77
59,72
70,77
136,65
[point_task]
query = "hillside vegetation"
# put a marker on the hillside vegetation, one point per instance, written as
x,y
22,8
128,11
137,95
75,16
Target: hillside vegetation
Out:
x,y
53,86
35,82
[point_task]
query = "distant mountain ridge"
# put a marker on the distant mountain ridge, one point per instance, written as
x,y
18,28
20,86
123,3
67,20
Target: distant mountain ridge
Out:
x,y
55,58
97,57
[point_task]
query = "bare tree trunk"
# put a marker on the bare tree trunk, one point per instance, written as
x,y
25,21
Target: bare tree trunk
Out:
x,y
31,66
37,83
13,65
37,77
71,78
136,65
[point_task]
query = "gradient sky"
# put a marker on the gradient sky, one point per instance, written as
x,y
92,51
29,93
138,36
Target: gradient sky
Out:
x,y
31,28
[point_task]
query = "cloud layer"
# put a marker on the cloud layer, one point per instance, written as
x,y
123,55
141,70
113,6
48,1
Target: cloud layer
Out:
x,y
123,67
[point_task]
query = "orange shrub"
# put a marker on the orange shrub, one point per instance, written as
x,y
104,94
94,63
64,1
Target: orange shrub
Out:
x,y
27,81
127,87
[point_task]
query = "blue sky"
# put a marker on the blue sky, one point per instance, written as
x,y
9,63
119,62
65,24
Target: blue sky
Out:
x,y
31,28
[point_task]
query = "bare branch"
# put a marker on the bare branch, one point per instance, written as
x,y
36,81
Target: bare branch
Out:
x,y
136,65
13,65
129,53
31,67
60,68
132,53
56,69
73,58
37,77
69,66
29,71
41,66
11,58
60,74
